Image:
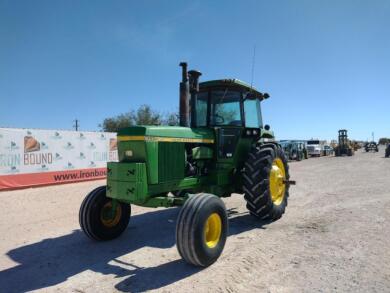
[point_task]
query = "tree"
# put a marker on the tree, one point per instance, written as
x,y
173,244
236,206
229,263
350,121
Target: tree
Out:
x,y
384,140
113,124
172,119
144,115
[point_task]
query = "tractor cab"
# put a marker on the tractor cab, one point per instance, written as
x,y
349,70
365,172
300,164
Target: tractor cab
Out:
x,y
232,108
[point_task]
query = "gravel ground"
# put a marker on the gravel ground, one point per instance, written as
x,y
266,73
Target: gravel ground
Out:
x,y
334,237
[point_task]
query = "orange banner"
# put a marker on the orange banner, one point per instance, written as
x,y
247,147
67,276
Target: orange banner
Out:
x,y
16,181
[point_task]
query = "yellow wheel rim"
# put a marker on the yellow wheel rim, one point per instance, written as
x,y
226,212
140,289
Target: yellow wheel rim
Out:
x,y
109,218
212,230
277,183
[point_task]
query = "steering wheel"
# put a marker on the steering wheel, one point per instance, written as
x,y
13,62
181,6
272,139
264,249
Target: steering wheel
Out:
x,y
216,117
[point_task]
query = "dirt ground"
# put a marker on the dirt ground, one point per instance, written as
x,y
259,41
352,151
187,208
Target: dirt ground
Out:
x,y
334,237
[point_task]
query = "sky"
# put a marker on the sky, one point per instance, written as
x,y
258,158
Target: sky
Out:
x,y
325,64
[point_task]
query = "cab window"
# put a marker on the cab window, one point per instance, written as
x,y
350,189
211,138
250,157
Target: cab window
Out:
x,y
201,109
252,113
225,108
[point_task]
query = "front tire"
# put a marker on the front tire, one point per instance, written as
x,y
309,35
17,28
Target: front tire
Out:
x,y
201,229
97,218
264,177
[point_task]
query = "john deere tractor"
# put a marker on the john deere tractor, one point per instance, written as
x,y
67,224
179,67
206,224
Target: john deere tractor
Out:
x,y
221,147
344,146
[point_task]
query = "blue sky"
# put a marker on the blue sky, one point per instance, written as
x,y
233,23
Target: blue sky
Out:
x,y
93,59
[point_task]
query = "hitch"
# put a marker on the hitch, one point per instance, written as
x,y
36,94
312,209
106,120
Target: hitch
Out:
x,y
289,182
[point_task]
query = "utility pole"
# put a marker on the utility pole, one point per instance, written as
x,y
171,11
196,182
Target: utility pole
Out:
x,y
76,124
373,136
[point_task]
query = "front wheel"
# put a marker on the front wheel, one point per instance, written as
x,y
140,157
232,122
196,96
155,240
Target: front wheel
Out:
x,y
201,229
99,219
265,182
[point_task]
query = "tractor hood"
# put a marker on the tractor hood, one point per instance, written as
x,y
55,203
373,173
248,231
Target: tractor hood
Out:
x,y
166,134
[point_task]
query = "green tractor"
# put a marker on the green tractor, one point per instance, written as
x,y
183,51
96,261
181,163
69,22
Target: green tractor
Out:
x,y
294,150
344,146
221,147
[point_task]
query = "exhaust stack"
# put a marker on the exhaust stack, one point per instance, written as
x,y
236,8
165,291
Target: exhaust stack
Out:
x,y
184,107
194,89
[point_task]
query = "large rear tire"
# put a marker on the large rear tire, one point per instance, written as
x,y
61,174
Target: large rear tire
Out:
x,y
201,229
97,218
264,178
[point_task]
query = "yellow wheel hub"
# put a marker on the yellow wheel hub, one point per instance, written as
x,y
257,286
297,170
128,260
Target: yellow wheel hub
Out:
x,y
277,183
108,217
213,230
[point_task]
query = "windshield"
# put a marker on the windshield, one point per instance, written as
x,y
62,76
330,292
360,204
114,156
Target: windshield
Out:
x,y
313,142
225,107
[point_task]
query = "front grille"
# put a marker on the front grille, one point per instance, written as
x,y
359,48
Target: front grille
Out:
x,y
170,161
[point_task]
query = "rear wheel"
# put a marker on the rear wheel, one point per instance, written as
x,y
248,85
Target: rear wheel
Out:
x,y
99,219
201,229
264,177
299,156
306,155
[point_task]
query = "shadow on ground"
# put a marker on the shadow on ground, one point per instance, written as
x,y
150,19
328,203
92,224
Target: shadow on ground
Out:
x,y
53,261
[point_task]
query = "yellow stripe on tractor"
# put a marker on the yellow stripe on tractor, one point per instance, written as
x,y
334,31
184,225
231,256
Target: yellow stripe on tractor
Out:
x,y
164,139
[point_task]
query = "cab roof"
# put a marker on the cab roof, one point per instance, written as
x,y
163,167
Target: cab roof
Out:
x,y
233,83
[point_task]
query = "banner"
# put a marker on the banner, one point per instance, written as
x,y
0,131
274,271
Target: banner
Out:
x,y
30,157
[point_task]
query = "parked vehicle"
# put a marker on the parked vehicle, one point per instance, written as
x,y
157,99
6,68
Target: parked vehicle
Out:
x,y
327,150
294,150
344,147
314,148
371,147
387,151
221,147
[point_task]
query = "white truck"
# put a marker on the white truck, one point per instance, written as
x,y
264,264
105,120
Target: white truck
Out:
x,y
314,148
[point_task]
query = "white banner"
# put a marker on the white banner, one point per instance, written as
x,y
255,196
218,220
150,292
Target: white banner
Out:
x,y
26,151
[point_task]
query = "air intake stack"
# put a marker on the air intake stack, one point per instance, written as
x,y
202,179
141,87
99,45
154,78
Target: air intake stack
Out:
x,y
184,107
194,89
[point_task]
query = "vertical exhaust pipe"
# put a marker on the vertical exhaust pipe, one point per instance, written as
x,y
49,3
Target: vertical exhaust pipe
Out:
x,y
184,106
194,89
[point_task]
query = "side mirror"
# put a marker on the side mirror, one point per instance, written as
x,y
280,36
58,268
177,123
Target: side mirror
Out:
x,y
267,127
